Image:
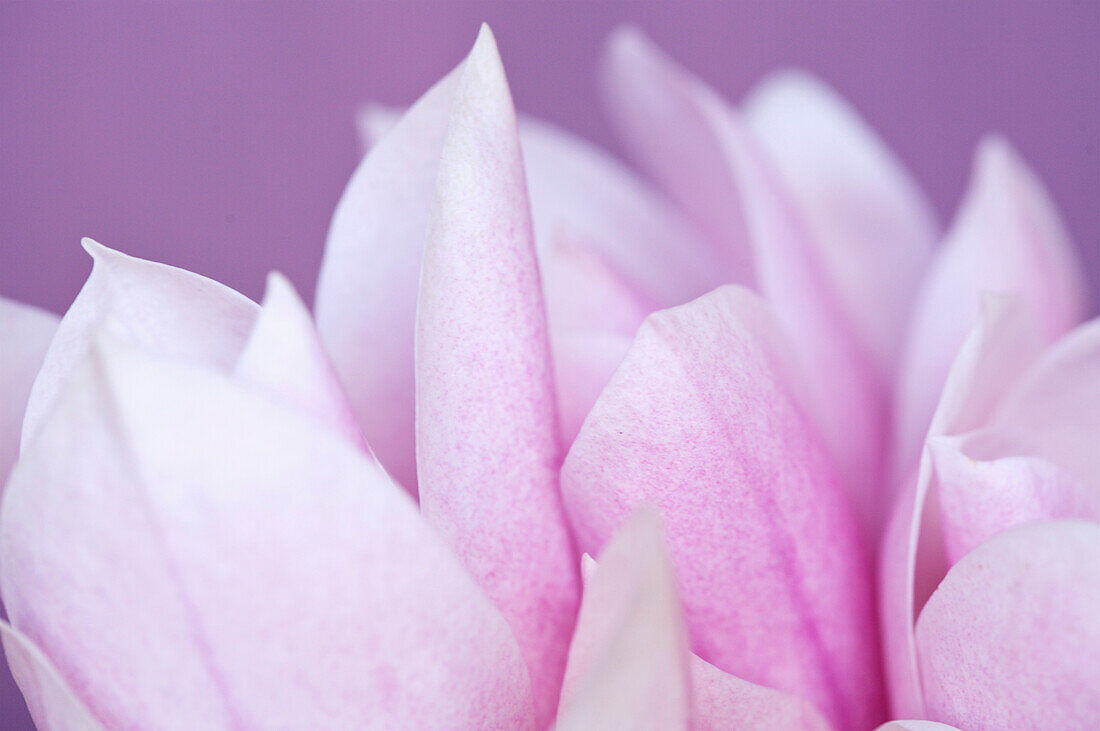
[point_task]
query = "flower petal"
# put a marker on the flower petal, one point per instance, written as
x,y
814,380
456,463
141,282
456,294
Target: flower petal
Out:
x,y
983,489
702,421
655,107
50,700
486,418
846,399
915,726
190,554
25,334
875,228
284,358
1011,636
166,310
1007,237
998,350
628,663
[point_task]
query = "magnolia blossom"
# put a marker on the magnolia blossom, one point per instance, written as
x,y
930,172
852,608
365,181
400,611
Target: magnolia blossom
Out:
x,y
739,442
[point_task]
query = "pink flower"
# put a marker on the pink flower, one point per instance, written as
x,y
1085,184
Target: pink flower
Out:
x,y
729,384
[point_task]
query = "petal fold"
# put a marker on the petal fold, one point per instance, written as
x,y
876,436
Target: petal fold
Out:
x,y
1011,636
703,422
488,450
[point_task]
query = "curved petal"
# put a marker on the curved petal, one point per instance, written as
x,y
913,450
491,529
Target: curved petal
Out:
x,y
50,700
1006,237
1053,411
701,421
723,701
999,348
654,106
486,418
366,292
873,224
1010,638
25,334
915,726
983,489
166,310
846,399
628,663
284,358
583,365
190,554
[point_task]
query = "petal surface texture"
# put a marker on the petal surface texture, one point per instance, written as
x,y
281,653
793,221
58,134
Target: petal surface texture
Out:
x,y
628,664
488,450
874,226
1011,636
51,702
702,422
190,554
25,334
1007,237
166,310
667,117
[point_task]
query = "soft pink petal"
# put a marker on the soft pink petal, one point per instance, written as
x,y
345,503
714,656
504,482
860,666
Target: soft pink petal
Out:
x,y
583,364
702,421
166,310
366,293
1054,409
655,107
722,701
25,334
1007,237
999,348
984,489
915,726
284,359
628,663
50,700
486,419
874,226
190,554
1011,637
846,399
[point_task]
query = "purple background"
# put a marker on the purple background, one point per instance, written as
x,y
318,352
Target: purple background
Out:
x,y
219,137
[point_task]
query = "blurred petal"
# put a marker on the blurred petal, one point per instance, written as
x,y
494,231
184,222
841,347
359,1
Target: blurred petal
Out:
x,y
486,421
52,703
846,399
628,663
722,701
657,110
999,348
1054,409
366,293
703,422
190,554
284,358
168,311
915,726
984,489
1007,237
1011,636
873,224
25,334
593,316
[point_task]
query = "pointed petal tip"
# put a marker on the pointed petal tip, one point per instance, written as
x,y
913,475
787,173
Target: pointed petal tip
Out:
x,y
278,287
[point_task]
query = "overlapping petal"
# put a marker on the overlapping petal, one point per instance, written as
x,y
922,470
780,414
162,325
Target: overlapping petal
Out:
x,y
704,422
1007,237
188,553
487,441
1011,636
